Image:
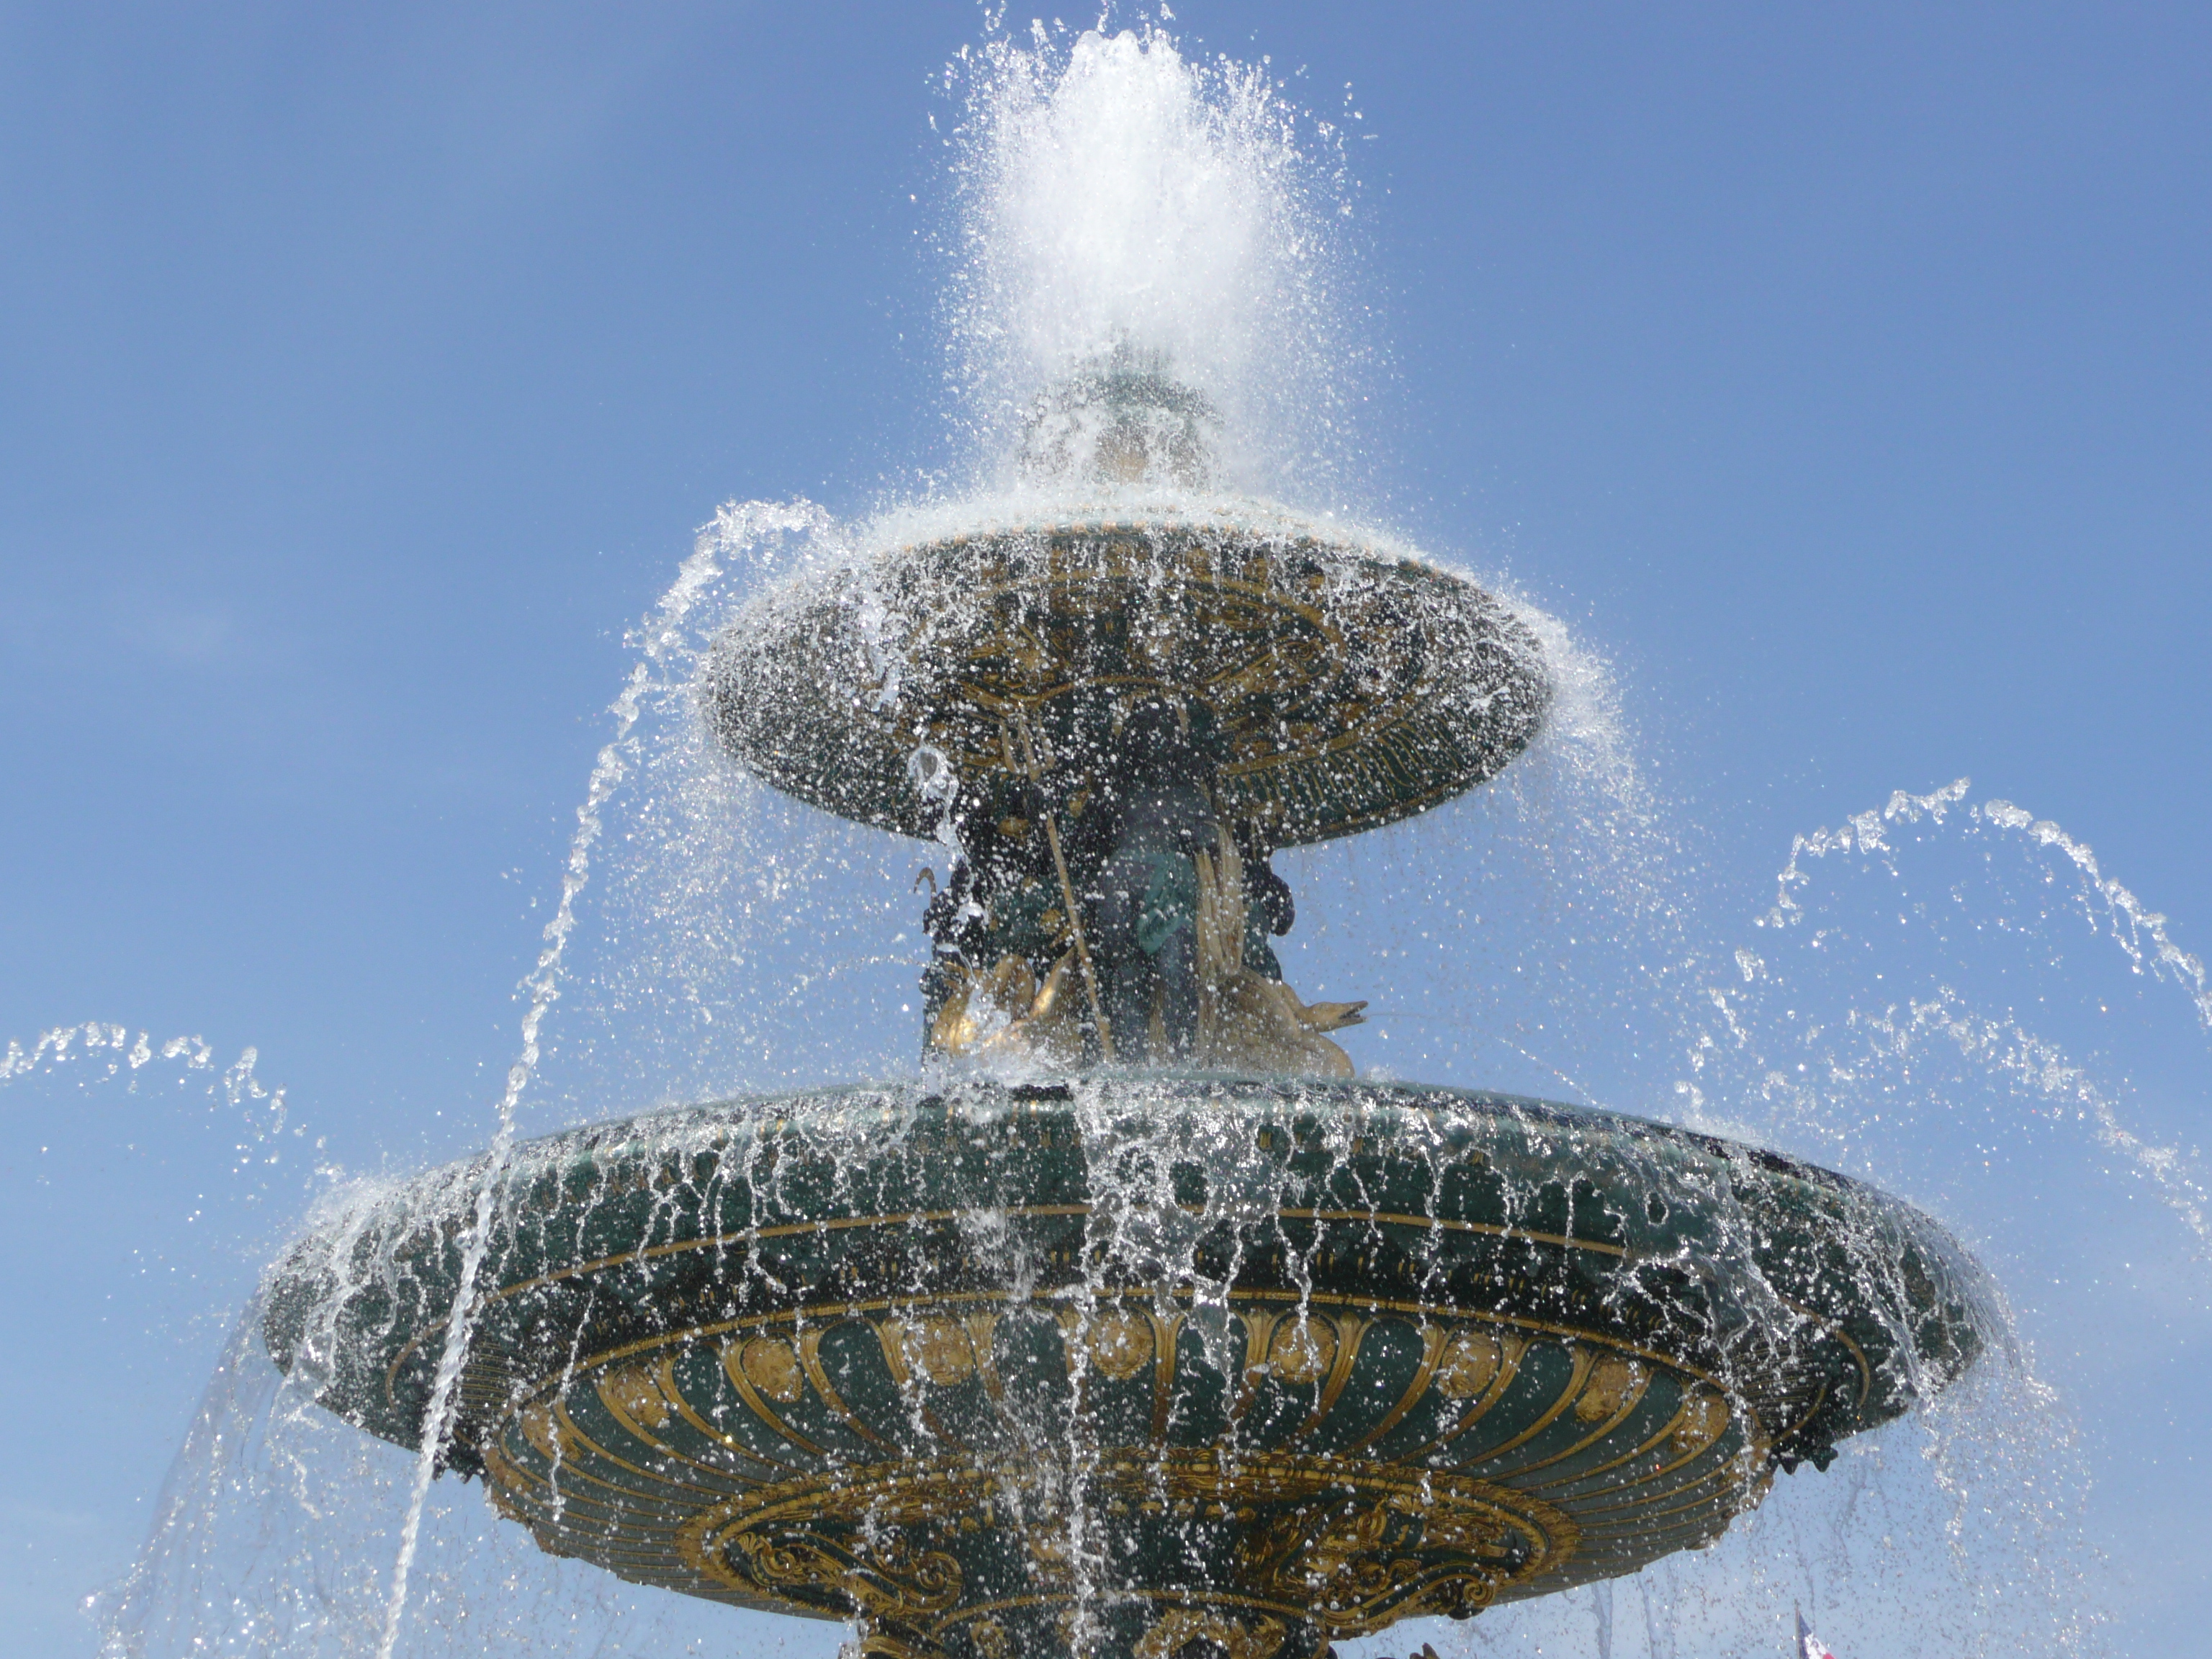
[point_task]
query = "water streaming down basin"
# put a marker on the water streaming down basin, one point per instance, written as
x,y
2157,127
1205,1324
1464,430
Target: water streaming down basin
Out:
x,y
985,1368
1006,1359
1121,1364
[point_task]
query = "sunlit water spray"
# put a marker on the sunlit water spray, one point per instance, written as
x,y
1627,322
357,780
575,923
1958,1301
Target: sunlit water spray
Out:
x,y
660,636
1111,195
1554,934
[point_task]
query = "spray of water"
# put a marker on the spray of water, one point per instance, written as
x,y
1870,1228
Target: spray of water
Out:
x,y
543,989
1999,1043
1112,197
98,1051
2141,934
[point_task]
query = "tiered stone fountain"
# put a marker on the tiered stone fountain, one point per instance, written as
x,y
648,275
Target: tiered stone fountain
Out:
x,y
1139,1325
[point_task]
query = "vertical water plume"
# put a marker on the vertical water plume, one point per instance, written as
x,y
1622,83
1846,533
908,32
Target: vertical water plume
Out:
x,y
1117,203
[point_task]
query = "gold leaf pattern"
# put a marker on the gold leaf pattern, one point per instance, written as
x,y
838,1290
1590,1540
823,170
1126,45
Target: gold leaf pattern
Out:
x,y
633,1391
1471,1363
772,1367
1705,1414
1302,1350
1121,1343
1178,1627
1613,1385
940,1349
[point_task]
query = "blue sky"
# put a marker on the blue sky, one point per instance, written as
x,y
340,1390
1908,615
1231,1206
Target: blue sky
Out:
x,y
1840,374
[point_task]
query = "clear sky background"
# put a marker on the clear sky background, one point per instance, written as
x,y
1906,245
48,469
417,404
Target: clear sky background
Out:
x,y
1844,374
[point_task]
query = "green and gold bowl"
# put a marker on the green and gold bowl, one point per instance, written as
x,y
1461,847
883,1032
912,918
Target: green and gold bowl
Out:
x,y
1142,1366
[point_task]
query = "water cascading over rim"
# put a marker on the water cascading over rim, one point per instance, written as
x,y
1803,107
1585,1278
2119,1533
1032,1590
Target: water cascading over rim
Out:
x,y
999,687
1348,690
1120,1364
1093,1358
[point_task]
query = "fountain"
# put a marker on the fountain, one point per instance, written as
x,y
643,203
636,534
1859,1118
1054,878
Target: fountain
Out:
x,y
1137,1324
1165,1335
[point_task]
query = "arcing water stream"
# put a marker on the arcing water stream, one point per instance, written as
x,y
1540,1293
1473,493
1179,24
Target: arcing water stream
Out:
x,y
1951,1001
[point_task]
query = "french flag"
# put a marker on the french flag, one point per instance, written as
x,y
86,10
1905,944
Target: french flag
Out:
x,y
1810,1646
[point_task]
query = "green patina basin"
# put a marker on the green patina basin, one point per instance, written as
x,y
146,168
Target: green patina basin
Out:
x,y
1345,690
1144,1366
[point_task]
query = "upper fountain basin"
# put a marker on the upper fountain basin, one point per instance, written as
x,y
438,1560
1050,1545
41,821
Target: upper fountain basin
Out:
x,y
1344,688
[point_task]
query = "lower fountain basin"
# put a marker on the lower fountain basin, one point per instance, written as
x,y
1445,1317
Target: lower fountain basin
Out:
x,y
1164,1367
